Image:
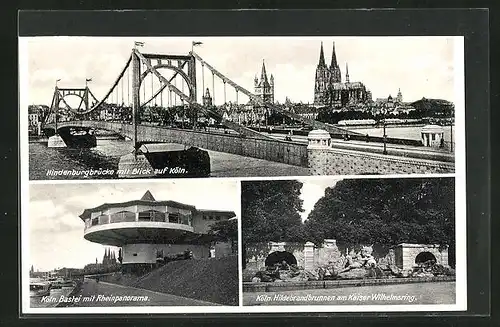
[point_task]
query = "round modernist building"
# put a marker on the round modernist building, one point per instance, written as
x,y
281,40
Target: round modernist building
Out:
x,y
147,229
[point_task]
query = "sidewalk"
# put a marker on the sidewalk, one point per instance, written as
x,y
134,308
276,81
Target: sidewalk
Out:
x,y
113,295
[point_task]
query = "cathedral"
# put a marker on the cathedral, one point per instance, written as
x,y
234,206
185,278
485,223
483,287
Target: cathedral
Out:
x,y
329,90
109,258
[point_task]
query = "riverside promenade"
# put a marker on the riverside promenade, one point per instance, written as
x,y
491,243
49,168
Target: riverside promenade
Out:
x,y
103,294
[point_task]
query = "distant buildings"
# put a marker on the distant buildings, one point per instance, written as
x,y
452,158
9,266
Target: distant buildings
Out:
x,y
253,113
390,105
35,117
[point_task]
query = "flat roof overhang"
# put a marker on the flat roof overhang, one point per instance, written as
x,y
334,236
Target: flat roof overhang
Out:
x,y
119,234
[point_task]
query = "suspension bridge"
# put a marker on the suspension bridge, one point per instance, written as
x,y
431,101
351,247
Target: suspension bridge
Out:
x,y
154,100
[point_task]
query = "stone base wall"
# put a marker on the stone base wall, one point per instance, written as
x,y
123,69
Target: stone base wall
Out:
x,y
308,256
331,161
406,255
56,141
272,150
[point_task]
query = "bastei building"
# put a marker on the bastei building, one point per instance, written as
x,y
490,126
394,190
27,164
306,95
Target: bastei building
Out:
x,y
150,231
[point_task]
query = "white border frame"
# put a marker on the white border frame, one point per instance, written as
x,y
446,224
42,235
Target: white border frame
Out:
x,y
460,218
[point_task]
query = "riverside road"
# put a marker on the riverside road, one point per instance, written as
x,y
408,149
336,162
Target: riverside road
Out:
x,y
102,294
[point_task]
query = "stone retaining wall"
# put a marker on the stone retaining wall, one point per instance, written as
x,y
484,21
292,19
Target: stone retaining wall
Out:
x,y
291,153
332,161
327,284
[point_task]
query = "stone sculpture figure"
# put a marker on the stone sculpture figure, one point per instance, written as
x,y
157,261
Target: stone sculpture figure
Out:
x,y
364,258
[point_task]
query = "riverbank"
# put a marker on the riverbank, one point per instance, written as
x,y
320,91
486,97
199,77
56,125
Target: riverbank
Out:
x,y
56,293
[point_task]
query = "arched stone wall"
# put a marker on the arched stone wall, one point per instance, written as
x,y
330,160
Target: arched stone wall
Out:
x,y
307,254
310,257
258,252
406,254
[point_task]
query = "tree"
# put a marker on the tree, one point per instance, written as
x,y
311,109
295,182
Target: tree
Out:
x,y
226,230
271,211
386,212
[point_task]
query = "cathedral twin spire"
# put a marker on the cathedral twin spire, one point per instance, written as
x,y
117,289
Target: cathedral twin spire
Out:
x,y
334,69
109,257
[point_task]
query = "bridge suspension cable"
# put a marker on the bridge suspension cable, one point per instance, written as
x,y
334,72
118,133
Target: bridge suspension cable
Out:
x,y
163,86
108,94
128,87
202,80
256,99
238,128
213,87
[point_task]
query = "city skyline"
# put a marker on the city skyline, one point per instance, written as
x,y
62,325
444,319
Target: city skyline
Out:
x,y
419,66
56,230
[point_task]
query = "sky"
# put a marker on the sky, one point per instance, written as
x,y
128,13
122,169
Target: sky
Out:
x,y
56,230
312,190
419,66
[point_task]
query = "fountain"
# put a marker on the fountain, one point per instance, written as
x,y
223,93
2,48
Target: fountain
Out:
x,y
333,265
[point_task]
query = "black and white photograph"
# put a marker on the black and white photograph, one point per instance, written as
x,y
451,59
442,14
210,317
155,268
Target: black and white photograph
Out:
x,y
170,244
352,242
167,107
223,163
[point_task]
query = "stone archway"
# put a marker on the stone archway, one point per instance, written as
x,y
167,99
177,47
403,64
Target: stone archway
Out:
x,y
424,257
407,255
280,256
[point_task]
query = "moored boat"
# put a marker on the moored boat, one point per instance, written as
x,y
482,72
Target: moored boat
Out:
x,y
39,288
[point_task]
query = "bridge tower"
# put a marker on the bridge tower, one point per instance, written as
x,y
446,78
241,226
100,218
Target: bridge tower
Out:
x,y
54,115
131,163
177,63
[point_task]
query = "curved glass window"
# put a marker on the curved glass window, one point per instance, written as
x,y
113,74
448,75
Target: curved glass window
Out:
x,y
103,219
186,219
174,218
152,215
122,216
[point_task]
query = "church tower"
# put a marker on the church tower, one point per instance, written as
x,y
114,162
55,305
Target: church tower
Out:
x,y
207,99
322,80
399,97
263,88
336,76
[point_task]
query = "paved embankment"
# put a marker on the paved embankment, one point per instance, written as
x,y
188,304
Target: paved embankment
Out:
x,y
213,280
103,294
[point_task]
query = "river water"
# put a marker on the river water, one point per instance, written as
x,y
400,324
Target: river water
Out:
x,y
107,153
36,301
402,132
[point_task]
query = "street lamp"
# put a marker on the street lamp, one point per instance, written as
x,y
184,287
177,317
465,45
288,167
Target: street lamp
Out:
x,y
384,111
